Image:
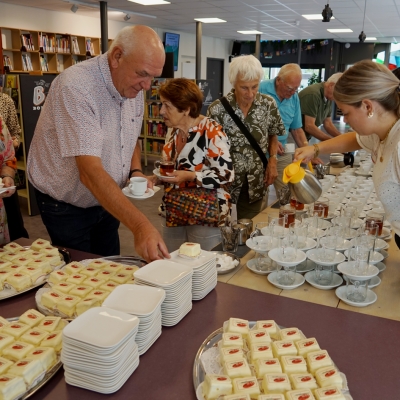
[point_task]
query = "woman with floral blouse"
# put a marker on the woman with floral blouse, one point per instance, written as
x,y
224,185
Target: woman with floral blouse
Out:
x,y
260,115
200,150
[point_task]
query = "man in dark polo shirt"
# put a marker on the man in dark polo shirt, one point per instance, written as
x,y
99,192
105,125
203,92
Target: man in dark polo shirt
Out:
x,y
316,109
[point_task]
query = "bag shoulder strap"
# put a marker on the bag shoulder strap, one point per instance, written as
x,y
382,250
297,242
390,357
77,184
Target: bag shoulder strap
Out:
x,y
244,130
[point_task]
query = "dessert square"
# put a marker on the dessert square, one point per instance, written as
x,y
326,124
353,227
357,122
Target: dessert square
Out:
x,y
15,329
58,276
36,254
258,336
3,323
64,287
4,365
12,246
4,274
216,385
130,269
267,366
270,326
318,359
3,252
52,259
329,376
85,304
74,268
238,368
11,386
50,250
39,244
284,347
47,356
247,385
98,294
31,317
4,264
237,397
22,260
232,339
5,340
272,396
94,282
293,364
89,271
53,340
76,279
34,336
9,256
41,263
24,252
49,324
190,249
276,383
81,291
34,272
260,350
237,325
230,353
305,346
300,394
329,393
109,286
29,370
17,351
303,381
51,298
105,275
291,334
113,267
67,304
98,264
121,278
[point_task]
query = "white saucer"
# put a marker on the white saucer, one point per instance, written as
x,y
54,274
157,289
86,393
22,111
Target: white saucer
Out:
x,y
341,293
313,256
274,254
305,266
337,280
347,268
251,265
256,247
156,172
381,266
149,193
386,233
374,282
298,281
310,244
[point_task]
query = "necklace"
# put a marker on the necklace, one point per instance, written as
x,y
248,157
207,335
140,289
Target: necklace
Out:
x,y
383,142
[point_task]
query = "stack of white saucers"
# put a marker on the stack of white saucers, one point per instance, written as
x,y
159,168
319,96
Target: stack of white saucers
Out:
x,y
176,280
204,272
145,303
99,349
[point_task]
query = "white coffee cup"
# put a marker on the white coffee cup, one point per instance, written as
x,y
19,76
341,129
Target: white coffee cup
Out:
x,y
138,186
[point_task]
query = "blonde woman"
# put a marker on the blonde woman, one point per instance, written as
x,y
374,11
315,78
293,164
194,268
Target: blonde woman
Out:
x,y
369,96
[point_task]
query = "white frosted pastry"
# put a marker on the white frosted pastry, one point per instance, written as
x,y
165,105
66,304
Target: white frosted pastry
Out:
x,y
53,251
40,244
9,256
29,370
11,387
237,368
131,281
260,350
36,254
22,260
98,264
190,249
267,366
5,340
13,268
216,385
237,397
113,267
236,325
76,279
41,263
300,394
105,275
232,339
291,334
303,381
271,396
17,350
85,304
101,295
53,340
19,281
5,365
47,356
284,348
67,304
81,290
94,282
3,252
121,277
129,269
109,286
329,393
50,324
270,326
51,298
64,287
52,259
318,359
305,346
3,323
258,336
74,268
24,252
4,264
31,317
15,329
230,353
12,246
34,336
294,364
4,274
328,376
34,272
276,383
247,385
89,271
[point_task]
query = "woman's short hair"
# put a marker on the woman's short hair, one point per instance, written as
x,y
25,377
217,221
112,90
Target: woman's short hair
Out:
x,y
183,94
247,67
368,80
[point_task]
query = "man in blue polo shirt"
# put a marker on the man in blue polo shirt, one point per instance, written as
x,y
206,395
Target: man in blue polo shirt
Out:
x,y
284,90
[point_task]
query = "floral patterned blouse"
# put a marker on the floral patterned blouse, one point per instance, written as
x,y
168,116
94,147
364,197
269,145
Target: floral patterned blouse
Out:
x,y
263,120
206,152
7,157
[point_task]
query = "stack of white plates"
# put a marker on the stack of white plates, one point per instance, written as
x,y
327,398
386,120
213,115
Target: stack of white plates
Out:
x,y
204,272
145,303
99,349
176,280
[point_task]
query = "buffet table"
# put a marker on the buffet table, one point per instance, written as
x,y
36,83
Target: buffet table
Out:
x,y
364,347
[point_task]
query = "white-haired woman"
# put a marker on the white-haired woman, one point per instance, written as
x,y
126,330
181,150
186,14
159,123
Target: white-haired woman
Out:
x,y
368,95
260,115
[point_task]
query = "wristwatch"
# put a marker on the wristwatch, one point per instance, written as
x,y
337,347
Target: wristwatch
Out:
x,y
274,156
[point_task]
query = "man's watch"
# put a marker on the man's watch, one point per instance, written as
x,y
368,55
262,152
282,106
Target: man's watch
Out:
x,y
274,156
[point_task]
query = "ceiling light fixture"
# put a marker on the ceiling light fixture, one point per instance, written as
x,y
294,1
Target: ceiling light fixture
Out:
x,y
150,2
74,8
344,30
370,38
327,13
250,32
210,20
127,17
314,16
362,36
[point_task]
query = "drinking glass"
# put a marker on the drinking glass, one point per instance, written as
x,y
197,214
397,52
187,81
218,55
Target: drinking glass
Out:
x,y
323,274
374,218
356,290
286,276
165,165
288,246
230,238
263,262
329,243
289,213
296,204
300,229
322,204
351,212
258,237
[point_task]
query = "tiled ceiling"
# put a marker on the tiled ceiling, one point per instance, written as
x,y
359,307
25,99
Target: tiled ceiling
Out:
x,y
276,19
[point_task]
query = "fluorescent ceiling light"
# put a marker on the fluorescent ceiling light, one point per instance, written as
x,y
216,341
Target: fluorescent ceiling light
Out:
x,y
370,38
209,20
250,32
339,30
314,16
150,2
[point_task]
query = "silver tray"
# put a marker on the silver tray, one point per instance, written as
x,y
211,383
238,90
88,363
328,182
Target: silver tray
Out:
x,y
233,256
7,293
49,374
128,260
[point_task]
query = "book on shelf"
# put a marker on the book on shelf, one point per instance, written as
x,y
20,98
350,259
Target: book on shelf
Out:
x,y
89,47
75,45
46,43
7,62
156,129
43,64
11,81
27,42
26,62
153,110
63,44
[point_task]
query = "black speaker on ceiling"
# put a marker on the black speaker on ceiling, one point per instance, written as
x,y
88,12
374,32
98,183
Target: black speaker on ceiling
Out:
x,y
168,70
236,48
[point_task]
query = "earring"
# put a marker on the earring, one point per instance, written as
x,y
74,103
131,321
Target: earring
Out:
x,y
370,114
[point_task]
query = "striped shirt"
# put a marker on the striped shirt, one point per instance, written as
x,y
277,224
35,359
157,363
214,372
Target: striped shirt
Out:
x,y
84,114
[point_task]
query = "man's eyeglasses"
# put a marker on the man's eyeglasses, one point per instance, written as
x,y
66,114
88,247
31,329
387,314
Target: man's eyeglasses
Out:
x,y
290,89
